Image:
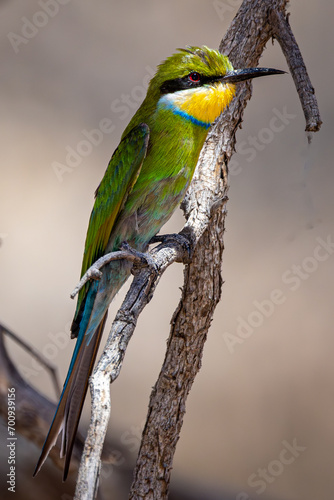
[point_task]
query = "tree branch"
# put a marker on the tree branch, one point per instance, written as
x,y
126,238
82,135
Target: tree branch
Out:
x,y
94,272
35,354
285,37
33,410
175,248
243,43
255,23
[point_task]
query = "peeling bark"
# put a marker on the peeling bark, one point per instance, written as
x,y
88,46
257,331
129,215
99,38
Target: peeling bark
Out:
x,y
256,22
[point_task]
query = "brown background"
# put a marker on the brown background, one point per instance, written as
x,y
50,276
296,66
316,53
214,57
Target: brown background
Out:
x,y
277,385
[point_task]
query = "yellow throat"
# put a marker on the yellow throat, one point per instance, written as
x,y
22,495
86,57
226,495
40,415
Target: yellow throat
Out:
x,y
201,105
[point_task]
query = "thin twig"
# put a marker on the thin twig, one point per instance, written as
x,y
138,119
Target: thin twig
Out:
x,y
285,37
109,366
33,410
94,272
244,43
37,355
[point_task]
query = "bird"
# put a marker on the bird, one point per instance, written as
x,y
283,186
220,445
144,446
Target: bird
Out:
x,y
146,179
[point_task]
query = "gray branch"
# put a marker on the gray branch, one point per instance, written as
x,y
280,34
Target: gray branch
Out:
x,y
202,238
94,272
33,410
294,58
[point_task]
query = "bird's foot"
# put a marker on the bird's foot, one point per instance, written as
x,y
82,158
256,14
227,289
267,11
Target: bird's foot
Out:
x,y
140,259
179,239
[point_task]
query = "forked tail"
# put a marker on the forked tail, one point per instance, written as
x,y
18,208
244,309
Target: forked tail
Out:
x,y
69,409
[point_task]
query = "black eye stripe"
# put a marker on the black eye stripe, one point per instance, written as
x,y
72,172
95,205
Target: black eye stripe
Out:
x,y
176,84
187,82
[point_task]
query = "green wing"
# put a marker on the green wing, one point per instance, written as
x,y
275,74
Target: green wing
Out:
x,y
110,196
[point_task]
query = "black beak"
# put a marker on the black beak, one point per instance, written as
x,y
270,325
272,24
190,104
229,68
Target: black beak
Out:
x,y
239,75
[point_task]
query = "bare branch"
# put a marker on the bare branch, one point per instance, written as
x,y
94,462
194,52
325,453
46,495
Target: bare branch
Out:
x,y
243,43
294,58
202,236
109,366
94,273
33,411
35,354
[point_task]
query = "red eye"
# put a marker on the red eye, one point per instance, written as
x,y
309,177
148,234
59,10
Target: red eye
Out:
x,y
194,77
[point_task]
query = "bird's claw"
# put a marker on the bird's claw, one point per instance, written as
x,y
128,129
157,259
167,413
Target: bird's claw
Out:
x,y
140,259
178,238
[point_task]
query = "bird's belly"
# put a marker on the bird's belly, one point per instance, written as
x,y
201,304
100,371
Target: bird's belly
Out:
x,y
136,229
146,210
150,204
139,226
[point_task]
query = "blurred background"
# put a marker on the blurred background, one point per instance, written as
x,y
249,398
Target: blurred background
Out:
x,y
266,384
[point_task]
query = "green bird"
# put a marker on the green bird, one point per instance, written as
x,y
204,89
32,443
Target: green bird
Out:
x,y
145,181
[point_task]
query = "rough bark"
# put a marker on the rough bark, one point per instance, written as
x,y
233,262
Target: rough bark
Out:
x,y
204,207
33,411
255,23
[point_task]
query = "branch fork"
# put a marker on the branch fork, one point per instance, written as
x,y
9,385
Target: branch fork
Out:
x,y
199,245
179,242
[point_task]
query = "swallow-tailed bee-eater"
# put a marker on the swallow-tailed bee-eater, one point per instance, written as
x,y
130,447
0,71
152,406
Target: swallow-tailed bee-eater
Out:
x,y
145,181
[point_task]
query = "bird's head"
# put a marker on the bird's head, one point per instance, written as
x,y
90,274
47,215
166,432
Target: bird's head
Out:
x,y
198,83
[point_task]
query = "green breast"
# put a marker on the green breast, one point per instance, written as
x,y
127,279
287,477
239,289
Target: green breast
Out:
x,y
173,151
